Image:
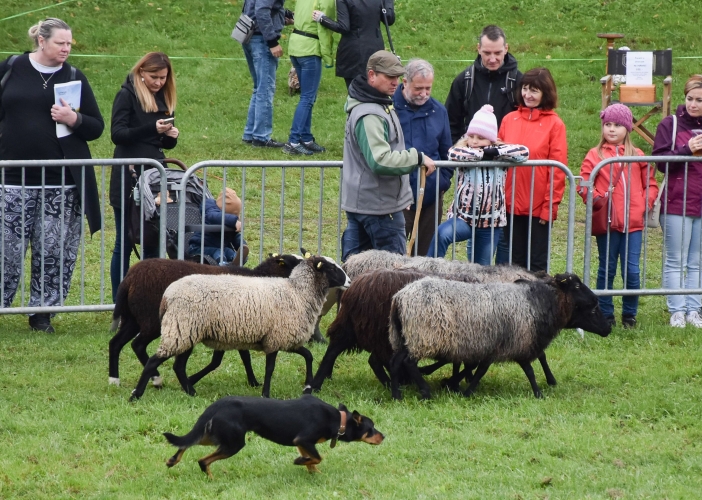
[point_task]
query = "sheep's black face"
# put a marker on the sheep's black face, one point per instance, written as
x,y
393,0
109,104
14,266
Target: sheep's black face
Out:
x,y
586,312
336,276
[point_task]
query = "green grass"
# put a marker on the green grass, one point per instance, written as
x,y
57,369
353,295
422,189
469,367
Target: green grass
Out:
x,y
624,421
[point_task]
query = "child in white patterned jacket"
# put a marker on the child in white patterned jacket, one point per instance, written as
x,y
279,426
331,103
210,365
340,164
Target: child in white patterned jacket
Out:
x,y
480,191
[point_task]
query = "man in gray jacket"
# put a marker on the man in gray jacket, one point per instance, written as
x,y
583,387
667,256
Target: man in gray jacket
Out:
x,y
375,182
262,54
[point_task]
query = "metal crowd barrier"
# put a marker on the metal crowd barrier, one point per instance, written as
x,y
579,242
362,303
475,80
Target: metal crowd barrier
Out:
x,y
287,205
569,206
86,282
648,233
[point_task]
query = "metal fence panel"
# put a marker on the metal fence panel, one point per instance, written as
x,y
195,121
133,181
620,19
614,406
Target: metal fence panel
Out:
x,y
648,234
86,281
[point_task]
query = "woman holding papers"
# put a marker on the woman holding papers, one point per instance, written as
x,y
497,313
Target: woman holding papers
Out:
x,y
43,120
142,127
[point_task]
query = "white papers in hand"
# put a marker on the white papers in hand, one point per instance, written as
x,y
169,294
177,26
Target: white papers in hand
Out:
x,y
70,93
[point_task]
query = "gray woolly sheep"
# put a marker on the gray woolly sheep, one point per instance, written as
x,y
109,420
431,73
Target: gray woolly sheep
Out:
x,y
139,298
481,324
354,266
362,322
373,259
238,312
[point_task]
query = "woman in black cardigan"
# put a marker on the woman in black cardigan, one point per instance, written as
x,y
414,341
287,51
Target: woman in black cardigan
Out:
x,y
359,22
146,99
43,206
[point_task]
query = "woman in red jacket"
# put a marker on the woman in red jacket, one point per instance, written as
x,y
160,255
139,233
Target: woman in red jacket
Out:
x,y
535,125
630,190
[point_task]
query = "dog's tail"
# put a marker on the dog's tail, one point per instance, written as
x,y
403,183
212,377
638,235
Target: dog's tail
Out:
x,y
192,438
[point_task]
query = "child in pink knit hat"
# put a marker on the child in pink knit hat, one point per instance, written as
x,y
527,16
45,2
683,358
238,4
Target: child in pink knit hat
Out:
x,y
626,190
479,203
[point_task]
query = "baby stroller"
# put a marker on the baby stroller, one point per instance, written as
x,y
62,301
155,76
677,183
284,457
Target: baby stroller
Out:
x,y
146,200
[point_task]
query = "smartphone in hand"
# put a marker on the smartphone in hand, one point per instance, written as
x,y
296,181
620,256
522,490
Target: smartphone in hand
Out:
x,y
166,121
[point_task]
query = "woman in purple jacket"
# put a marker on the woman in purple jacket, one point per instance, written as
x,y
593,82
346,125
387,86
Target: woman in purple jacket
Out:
x,y
681,204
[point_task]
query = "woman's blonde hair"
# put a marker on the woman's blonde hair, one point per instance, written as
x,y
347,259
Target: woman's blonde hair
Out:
x,y
45,29
629,148
150,63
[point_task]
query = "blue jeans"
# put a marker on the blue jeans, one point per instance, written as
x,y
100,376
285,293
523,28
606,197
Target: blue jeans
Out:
x,y
479,251
624,251
309,72
262,66
216,253
230,244
378,232
682,253
120,260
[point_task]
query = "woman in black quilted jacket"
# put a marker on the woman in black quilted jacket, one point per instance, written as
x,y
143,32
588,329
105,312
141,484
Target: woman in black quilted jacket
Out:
x,y
359,22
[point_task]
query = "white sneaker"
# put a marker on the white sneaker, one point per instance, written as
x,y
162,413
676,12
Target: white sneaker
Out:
x,y
694,319
678,319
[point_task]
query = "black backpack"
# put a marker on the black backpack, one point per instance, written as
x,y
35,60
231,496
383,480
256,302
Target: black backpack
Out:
x,y
7,74
510,85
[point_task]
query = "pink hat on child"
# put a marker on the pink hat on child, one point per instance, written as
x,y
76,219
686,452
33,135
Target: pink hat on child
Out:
x,y
619,114
484,124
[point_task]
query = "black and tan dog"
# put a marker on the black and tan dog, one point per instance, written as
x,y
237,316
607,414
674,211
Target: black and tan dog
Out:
x,y
302,422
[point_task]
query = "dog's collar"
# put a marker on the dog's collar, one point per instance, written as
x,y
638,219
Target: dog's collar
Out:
x,y
342,428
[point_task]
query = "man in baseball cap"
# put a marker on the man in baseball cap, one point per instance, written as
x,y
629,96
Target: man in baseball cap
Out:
x,y
375,176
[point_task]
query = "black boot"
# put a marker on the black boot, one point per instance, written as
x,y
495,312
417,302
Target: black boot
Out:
x,y
41,322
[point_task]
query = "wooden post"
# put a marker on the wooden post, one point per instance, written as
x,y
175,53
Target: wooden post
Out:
x,y
611,37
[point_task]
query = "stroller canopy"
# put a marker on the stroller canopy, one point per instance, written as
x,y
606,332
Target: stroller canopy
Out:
x,y
194,191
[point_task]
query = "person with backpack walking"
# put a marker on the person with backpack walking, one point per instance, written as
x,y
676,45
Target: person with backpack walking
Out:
x,y
43,206
492,79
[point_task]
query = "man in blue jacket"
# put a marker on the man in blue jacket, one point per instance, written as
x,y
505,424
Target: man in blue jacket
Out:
x,y
262,54
425,125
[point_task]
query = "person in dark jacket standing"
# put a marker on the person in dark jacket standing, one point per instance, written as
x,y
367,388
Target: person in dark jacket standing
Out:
x,y
492,79
359,22
681,204
43,206
425,126
262,54
147,98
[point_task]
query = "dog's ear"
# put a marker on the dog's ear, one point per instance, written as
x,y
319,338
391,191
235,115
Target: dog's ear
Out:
x,y
357,416
342,407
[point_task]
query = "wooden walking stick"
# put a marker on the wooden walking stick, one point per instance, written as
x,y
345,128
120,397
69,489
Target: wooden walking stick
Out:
x,y
418,205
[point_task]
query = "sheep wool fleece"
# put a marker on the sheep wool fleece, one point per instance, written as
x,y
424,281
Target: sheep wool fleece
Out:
x,y
500,321
236,312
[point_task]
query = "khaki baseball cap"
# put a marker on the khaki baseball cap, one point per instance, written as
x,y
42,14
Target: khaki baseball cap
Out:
x,y
385,62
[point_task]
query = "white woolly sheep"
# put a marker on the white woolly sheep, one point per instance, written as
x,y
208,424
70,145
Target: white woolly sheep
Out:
x,y
236,312
139,298
481,324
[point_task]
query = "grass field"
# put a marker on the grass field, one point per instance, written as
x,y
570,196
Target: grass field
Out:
x,y
623,422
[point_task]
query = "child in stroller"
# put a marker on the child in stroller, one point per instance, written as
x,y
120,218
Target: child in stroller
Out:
x,y
231,204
